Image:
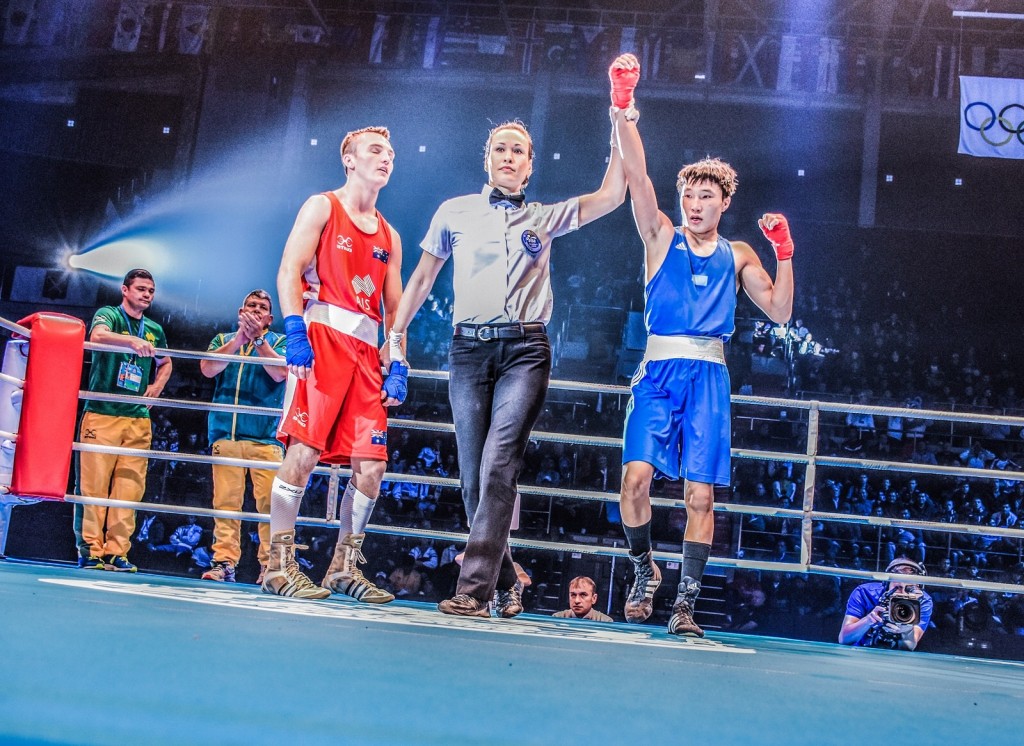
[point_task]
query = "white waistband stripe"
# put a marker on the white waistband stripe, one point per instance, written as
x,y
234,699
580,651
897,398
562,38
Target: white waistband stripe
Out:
x,y
342,320
709,349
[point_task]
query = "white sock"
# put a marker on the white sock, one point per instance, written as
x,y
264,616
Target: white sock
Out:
x,y
285,500
355,511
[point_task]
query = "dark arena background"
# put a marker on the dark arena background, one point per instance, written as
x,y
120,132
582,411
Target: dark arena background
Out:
x,y
886,419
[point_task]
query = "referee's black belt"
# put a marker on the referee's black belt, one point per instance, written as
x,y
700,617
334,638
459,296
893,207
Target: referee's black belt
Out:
x,y
490,332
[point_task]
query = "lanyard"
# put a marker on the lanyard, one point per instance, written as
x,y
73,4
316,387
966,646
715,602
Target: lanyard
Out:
x,y
128,323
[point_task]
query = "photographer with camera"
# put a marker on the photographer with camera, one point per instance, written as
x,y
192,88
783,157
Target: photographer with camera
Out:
x,y
890,615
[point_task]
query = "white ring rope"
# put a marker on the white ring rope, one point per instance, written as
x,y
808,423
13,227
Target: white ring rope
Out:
x,y
18,383
21,331
555,492
555,546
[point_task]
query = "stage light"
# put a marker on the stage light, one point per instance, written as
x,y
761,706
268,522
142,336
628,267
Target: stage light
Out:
x,y
113,259
313,142
558,156
216,237
167,130
423,148
700,76
888,178
71,123
799,172
958,182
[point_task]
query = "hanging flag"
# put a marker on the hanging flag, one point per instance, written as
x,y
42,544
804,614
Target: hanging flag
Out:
x,y
192,26
19,18
992,117
789,63
432,44
829,53
380,33
129,26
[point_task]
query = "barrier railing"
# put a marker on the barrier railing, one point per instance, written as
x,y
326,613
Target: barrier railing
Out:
x,y
810,458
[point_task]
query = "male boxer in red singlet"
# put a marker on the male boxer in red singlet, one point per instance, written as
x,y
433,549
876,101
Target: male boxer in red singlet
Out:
x,y
342,262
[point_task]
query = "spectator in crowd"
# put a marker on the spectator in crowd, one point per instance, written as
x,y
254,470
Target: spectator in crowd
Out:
x,y
745,602
548,474
922,507
406,580
184,539
582,597
431,454
151,530
864,422
424,555
1006,518
976,457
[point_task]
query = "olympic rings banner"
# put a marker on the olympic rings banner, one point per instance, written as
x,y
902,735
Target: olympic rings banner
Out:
x,y
992,117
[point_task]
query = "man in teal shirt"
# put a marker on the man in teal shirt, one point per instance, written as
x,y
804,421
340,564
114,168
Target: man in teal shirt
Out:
x,y
244,436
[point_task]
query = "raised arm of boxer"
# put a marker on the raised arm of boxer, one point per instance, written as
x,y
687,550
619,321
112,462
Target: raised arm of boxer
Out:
x,y
774,298
298,253
609,195
654,226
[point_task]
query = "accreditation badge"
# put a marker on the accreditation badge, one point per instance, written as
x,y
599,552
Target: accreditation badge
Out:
x,y
129,377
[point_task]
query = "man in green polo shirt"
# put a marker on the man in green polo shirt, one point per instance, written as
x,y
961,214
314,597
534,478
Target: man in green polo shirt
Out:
x,y
244,436
106,532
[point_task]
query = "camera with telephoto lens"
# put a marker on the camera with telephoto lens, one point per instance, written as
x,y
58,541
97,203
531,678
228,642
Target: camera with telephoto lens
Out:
x,y
901,611
901,608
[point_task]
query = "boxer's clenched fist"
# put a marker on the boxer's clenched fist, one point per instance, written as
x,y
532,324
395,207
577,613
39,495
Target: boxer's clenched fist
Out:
x,y
624,74
776,229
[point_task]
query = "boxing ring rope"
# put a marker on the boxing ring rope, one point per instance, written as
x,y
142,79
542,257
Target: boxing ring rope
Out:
x,y
806,515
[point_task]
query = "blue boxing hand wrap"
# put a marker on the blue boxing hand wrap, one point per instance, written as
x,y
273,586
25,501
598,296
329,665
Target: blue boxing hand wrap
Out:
x,y
396,385
298,352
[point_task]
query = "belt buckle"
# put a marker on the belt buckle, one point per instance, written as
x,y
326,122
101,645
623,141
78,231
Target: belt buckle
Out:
x,y
486,333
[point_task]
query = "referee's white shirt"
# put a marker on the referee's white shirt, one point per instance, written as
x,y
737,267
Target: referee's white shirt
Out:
x,y
502,255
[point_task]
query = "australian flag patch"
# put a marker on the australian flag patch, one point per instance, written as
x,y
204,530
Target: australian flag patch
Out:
x,y
381,254
378,437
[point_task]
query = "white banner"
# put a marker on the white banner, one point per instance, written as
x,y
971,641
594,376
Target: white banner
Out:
x,y
992,117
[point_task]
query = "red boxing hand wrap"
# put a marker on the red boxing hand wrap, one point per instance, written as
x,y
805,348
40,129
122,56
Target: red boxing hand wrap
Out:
x,y
624,74
777,235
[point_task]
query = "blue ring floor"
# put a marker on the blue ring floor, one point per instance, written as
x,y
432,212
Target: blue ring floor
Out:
x,y
93,657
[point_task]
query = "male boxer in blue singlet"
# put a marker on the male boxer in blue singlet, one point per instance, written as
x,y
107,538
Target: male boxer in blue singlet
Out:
x,y
678,420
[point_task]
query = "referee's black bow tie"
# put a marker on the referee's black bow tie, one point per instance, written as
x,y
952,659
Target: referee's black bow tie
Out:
x,y
516,200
